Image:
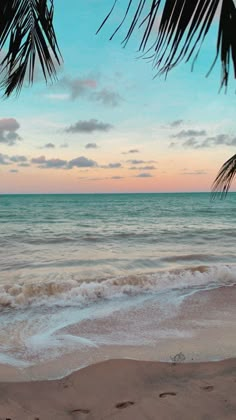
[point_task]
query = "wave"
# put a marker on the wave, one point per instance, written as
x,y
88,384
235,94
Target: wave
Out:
x,y
78,237
65,290
137,234
191,257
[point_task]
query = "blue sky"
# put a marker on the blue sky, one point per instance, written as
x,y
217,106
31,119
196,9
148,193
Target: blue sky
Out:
x,y
107,125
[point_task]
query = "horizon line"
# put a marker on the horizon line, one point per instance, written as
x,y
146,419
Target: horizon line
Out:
x,y
110,193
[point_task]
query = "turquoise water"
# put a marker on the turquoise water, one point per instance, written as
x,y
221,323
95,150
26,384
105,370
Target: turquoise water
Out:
x,y
65,259
101,235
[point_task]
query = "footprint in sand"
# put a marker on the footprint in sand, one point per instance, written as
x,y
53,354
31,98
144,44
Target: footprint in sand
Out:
x,y
124,404
207,388
80,411
167,394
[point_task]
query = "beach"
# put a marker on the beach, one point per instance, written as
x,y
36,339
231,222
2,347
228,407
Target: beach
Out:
x,y
117,306
134,389
126,390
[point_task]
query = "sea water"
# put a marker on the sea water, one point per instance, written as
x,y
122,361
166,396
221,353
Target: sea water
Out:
x,y
92,276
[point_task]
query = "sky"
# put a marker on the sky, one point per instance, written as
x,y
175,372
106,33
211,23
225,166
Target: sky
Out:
x,y
108,124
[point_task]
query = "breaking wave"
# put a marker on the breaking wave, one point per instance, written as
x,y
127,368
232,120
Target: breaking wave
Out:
x,y
67,290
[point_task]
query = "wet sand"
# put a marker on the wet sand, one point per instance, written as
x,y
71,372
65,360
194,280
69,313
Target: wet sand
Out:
x,y
202,327
128,390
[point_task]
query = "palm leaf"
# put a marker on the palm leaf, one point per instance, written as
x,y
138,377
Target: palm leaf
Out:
x,y
26,29
184,24
224,178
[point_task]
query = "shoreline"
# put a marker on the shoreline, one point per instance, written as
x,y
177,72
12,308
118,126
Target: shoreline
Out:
x,y
127,389
201,328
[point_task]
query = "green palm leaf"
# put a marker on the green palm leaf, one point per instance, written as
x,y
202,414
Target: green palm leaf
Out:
x,y
26,28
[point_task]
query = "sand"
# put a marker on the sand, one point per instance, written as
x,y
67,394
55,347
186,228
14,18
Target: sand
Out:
x,y
128,390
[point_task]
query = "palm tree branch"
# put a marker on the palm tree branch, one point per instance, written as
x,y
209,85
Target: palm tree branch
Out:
x,y
27,29
224,178
184,25
226,43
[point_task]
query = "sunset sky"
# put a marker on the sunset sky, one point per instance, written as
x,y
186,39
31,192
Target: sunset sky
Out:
x,y
107,125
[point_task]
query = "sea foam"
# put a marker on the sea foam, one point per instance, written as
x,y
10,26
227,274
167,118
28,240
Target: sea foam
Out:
x,y
64,290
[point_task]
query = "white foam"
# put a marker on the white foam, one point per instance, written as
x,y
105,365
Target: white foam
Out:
x,y
64,290
49,319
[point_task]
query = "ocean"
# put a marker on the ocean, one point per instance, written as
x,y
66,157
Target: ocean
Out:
x,y
88,277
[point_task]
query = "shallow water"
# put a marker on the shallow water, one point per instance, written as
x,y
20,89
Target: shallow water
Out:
x,y
83,273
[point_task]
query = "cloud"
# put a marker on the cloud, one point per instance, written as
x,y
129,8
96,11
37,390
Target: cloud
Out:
x,y
135,161
79,87
148,168
3,160
49,146
107,97
103,178
14,171
9,124
54,163
195,172
189,133
219,139
91,146
87,87
82,162
79,162
94,179
192,142
176,123
39,160
88,126
142,168
17,158
130,151
114,165
8,131
49,163
7,160
64,145
139,162
144,175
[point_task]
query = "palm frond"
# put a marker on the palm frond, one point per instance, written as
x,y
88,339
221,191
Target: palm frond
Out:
x,y
183,26
26,29
224,178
